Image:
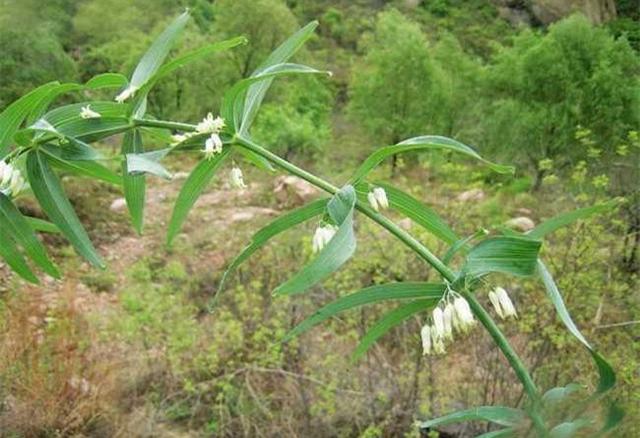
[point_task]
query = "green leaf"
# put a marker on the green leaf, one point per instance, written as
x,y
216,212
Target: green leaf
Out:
x,y
15,224
257,91
148,162
193,56
13,116
79,167
134,185
427,142
280,225
9,252
555,395
232,104
106,80
419,213
501,415
156,54
339,249
551,225
462,245
568,429
614,416
390,320
198,179
74,150
507,254
51,197
41,225
46,100
67,121
432,292
607,375
500,433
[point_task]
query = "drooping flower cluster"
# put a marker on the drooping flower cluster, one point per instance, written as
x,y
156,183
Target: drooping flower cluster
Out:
x,y
11,180
378,199
323,236
209,125
451,315
502,303
87,113
236,178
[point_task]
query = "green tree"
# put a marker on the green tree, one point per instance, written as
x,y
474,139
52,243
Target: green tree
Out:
x,y
544,87
264,22
30,57
397,90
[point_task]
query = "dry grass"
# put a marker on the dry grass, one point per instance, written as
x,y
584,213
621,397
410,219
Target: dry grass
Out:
x,y
56,380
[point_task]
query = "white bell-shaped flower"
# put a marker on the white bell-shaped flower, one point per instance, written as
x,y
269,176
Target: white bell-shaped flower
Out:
x,y
463,313
381,196
6,171
438,322
508,309
212,146
495,301
323,236
438,344
87,113
373,202
425,335
237,179
448,316
11,180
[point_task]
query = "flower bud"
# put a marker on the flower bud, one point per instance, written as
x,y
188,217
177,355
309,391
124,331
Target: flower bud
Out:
x,y
425,334
508,308
236,179
381,196
438,323
87,113
373,201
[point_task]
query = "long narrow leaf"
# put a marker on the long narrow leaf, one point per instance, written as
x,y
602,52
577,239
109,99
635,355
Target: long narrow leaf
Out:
x,y
92,169
507,254
335,253
280,225
461,245
156,54
134,185
607,375
191,190
427,142
13,116
16,224
257,91
9,252
551,225
232,104
369,295
106,80
196,55
419,213
148,162
390,320
41,225
501,415
49,193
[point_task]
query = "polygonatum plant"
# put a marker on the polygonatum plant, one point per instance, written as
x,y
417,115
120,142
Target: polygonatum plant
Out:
x,y
38,141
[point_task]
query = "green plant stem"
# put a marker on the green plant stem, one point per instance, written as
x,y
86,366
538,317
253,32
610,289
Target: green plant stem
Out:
x,y
486,320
